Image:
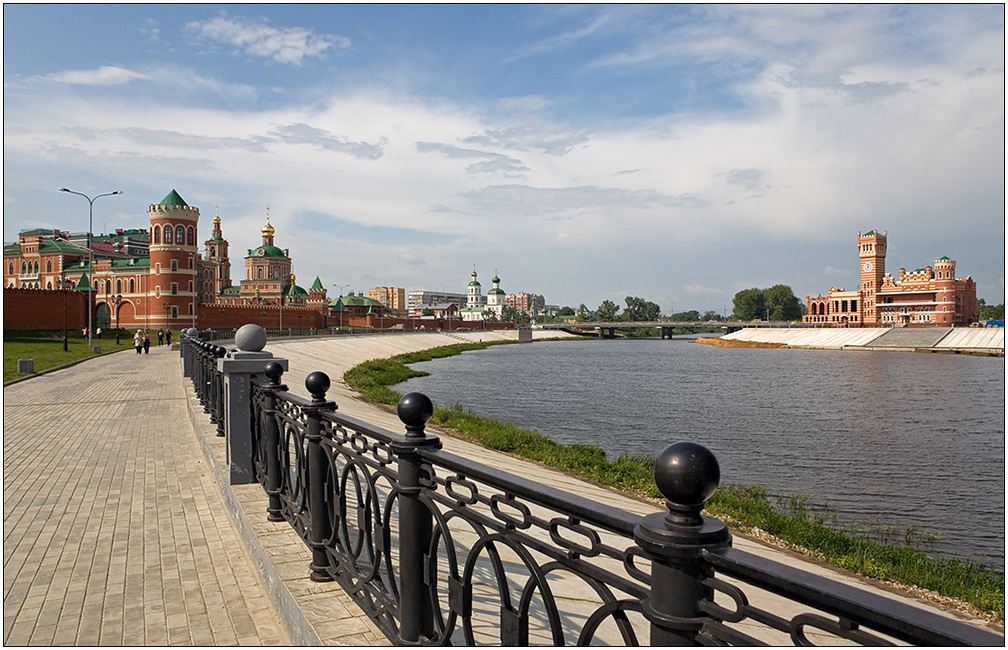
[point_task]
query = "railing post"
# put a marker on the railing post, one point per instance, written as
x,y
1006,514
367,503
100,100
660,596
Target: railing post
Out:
x,y
687,474
217,389
416,615
236,392
274,371
317,384
186,341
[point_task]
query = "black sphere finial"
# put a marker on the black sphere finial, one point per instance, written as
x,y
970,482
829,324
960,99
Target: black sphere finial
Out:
x,y
687,474
317,384
274,371
414,409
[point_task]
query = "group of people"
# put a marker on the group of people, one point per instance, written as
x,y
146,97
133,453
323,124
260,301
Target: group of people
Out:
x,y
141,340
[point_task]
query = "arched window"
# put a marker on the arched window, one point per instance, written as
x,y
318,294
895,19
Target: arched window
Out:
x,y
23,268
190,261
259,274
157,234
118,286
48,285
36,266
48,266
10,269
213,251
276,273
167,234
108,286
132,285
180,235
191,236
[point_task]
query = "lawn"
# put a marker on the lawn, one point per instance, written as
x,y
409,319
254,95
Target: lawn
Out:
x,y
46,348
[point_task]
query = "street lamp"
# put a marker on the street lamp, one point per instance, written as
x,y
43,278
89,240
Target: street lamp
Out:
x,y
90,256
341,287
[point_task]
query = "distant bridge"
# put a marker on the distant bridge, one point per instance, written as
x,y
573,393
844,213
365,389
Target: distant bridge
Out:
x,y
607,329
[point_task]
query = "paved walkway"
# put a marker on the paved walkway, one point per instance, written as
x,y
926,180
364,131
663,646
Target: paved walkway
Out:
x,y
115,532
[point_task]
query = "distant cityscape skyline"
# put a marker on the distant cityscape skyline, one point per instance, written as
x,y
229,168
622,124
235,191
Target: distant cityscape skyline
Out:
x,y
678,153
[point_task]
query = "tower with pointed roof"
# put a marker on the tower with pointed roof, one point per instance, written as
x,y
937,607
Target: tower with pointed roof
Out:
x,y
475,302
495,298
172,281
216,267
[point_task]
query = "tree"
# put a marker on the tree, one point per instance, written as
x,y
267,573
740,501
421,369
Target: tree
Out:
x,y
686,316
607,310
749,304
639,309
566,313
582,313
782,303
710,315
989,312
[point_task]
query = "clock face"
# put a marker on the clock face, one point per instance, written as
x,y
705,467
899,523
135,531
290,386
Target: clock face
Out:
x,y
867,266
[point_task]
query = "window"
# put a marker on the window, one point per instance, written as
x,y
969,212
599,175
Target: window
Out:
x,y
174,312
167,234
213,251
180,235
190,261
118,286
190,309
108,286
191,236
174,265
190,285
259,274
132,285
23,271
48,285
48,266
157,234
174,288
10,269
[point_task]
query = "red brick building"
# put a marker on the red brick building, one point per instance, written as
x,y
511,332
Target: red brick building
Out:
x,y
930,296
158,279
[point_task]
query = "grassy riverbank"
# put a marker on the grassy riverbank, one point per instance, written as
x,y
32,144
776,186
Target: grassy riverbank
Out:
x,y
747,508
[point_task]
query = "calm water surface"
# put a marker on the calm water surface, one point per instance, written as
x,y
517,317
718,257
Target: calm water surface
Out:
x,y
881,438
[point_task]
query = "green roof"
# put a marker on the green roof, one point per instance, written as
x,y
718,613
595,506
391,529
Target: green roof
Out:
x,y
294,290
37,231
173,198
317,285
131,263
83,284
266,250
341,303
60,245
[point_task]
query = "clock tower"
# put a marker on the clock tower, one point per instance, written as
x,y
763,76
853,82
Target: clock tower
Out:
x,y
871,250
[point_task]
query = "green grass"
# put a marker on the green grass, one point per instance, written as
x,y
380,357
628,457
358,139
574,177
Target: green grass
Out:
x,y
858,549
46,348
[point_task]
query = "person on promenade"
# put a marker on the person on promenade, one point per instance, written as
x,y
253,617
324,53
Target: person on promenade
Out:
x,y
167,334
146,342
138,341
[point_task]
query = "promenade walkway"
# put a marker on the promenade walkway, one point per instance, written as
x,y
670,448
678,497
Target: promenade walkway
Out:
x,y
120,529
114,531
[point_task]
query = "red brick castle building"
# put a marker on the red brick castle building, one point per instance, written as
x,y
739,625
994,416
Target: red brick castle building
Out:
x,y
931,296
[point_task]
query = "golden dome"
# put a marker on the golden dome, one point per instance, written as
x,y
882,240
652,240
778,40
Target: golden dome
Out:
x,y
268,230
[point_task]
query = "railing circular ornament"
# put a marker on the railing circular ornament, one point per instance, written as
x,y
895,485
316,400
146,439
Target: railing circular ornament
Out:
x,y
250,338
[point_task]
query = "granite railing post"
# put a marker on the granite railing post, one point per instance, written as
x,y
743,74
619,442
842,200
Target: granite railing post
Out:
x,y
416,615
317,384
185,349
686,474
235,377
271,433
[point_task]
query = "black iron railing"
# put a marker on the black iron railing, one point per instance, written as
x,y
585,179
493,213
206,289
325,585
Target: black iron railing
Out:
x,y
441,549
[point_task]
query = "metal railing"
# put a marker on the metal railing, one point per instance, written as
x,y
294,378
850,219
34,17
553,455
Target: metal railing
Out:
x,y
441,549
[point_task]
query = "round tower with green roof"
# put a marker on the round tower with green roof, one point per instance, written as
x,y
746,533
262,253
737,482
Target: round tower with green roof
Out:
x,y
171,296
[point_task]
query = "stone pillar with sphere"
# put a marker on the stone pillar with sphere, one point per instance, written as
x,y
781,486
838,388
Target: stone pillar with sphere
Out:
x,y
238,367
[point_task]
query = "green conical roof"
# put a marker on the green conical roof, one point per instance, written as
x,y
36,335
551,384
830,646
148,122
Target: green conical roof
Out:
x,y
83,284
317,285
173,198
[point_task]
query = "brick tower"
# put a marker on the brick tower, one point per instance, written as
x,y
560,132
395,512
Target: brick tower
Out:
x,y
173,250
217,264
872,250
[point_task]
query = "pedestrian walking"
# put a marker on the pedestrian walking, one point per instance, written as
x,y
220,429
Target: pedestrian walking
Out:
x,y
138,341
167,335
146,342
160,337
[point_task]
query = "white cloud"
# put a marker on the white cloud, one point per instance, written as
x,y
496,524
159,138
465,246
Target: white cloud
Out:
x,y
289,45
106,75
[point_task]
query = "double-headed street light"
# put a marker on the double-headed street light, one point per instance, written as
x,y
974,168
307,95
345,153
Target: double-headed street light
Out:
x,y
90,256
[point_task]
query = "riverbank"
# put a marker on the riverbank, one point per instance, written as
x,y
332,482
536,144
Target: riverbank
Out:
x,y
336,356
983,341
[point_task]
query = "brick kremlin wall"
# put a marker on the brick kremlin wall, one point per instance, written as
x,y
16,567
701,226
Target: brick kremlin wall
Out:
x,y
38,309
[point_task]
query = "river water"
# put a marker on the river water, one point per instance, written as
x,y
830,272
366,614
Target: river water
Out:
x,y
879,438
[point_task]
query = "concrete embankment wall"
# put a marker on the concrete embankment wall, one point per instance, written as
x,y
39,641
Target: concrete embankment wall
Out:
x,y
973,340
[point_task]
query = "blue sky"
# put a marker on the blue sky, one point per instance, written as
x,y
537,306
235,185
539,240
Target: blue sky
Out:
x,y
584,152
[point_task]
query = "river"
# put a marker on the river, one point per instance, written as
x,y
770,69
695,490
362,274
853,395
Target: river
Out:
x,y
902,439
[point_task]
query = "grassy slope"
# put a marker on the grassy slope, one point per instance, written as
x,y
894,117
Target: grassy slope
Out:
x,y
740,506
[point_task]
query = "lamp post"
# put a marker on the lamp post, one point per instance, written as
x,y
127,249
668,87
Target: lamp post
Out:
x,y
90,255
341,287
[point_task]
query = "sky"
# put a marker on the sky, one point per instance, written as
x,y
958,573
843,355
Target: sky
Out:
x,y
676,153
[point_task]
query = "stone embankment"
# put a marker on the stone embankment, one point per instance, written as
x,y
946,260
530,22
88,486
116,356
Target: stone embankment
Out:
x,y
986,341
